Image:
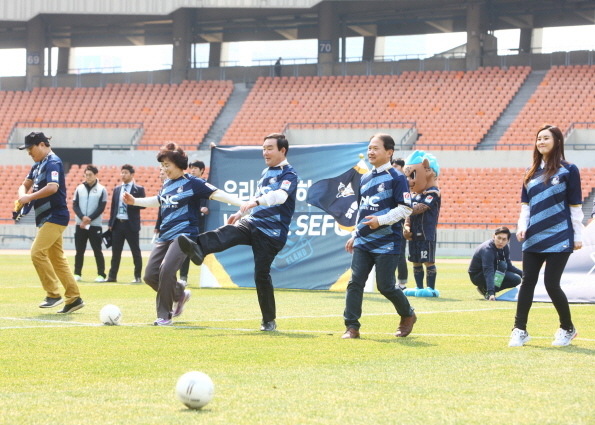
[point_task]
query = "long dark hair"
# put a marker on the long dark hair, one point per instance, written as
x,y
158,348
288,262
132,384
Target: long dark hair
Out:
x,y
555,157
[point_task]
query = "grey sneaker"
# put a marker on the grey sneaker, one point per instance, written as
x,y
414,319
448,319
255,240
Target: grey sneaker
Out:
x,y
179,306
76,305
518,338
51,302
563,337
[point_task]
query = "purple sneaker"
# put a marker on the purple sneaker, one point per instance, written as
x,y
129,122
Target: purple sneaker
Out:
x,y
179,306
162,322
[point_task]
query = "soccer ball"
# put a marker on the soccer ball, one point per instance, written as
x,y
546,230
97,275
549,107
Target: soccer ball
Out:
x,y
195,389
110,315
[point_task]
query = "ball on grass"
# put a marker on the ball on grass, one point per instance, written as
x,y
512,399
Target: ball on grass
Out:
x,y
195,389
110,315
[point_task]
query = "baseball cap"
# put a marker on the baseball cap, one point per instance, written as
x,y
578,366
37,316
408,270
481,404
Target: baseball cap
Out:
x,y
35,138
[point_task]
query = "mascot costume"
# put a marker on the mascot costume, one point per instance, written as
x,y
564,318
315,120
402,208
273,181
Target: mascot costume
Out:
x,y
422,171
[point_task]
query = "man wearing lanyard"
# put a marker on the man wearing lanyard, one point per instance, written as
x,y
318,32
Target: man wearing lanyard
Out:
x,y
491,269
124,224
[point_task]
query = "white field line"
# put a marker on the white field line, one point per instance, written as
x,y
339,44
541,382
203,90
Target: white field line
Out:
x,y
60,324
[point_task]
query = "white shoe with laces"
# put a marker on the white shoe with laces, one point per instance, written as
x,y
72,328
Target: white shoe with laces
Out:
x,y
518,338
563,337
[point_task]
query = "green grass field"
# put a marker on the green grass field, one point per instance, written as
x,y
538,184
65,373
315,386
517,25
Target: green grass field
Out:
x,y
455,367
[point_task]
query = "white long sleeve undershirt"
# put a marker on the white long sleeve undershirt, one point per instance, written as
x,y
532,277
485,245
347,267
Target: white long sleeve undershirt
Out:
x,y
218,195
576,217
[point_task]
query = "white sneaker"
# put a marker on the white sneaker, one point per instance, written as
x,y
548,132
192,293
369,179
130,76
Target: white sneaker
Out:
x,y
563,337
518,338
77,278
183,282
100,279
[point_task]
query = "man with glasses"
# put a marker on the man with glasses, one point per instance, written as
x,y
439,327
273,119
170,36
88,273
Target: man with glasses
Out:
x,y
46,178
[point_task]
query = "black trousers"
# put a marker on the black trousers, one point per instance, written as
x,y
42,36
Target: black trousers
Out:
x,y
264,249
93,235
554,267
184,269
403,272
122,232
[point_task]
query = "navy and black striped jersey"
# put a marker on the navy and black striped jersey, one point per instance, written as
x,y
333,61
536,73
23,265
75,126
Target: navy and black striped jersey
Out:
x,y
53,208
180,206
274,220
379,193
550,226
423,226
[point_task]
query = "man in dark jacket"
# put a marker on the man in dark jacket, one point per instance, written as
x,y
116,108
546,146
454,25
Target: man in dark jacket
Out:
x,y
491,269
124,223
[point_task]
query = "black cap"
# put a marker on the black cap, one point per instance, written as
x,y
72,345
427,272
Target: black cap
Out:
x,y
34,138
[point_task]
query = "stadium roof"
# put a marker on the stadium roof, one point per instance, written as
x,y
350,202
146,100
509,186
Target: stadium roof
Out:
x,y
83,23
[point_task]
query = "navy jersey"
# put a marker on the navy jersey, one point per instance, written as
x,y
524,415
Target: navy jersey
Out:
x,y
423,226
379,193
180,206
550,226
51,209
274,220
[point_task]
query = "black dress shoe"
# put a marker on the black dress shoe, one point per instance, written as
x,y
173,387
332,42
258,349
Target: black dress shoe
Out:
x,y
268,326
191,249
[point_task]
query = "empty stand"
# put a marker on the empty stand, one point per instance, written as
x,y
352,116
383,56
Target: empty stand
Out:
x,y
566,95
452,109
181,113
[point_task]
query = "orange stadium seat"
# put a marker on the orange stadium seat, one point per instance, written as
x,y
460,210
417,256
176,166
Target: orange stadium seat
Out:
x,y
435,100
574,82
123,103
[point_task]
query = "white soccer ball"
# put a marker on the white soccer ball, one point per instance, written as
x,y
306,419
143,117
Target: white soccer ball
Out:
x,y
195,389
110,315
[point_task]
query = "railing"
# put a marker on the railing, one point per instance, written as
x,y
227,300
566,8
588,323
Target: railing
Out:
x,y
412,126
78,124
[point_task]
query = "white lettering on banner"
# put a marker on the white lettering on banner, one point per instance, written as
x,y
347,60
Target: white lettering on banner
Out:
x,y
352,209
317,225
302,190
246,190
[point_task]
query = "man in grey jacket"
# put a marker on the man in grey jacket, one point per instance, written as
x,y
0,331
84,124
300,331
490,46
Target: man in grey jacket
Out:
x,y
90,199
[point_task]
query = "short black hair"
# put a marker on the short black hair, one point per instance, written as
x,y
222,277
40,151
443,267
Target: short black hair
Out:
x,y
502,229
197,164
387,140
92,169
282,141
398,161
128,167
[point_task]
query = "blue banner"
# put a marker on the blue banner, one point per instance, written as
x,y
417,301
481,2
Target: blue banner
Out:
x,y
314,256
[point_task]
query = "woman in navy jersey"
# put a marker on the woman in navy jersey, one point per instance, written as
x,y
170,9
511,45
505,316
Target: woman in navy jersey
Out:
x,y
550,227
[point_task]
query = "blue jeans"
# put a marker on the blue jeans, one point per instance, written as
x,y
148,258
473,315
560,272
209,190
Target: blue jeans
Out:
x,y
361,266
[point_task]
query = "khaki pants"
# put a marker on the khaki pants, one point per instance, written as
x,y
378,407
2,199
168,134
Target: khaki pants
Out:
x,y
51,264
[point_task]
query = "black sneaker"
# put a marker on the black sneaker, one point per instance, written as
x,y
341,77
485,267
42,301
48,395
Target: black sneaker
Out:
x,y
483,292
191,249
51,302
77,305
268,326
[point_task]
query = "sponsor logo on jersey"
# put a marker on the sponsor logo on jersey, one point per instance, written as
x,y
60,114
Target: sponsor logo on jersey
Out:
x,y
210,186
55,176
285,185
407,197
345,191
428,199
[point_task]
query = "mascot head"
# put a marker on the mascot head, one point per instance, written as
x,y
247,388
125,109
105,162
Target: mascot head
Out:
x,y
422,171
